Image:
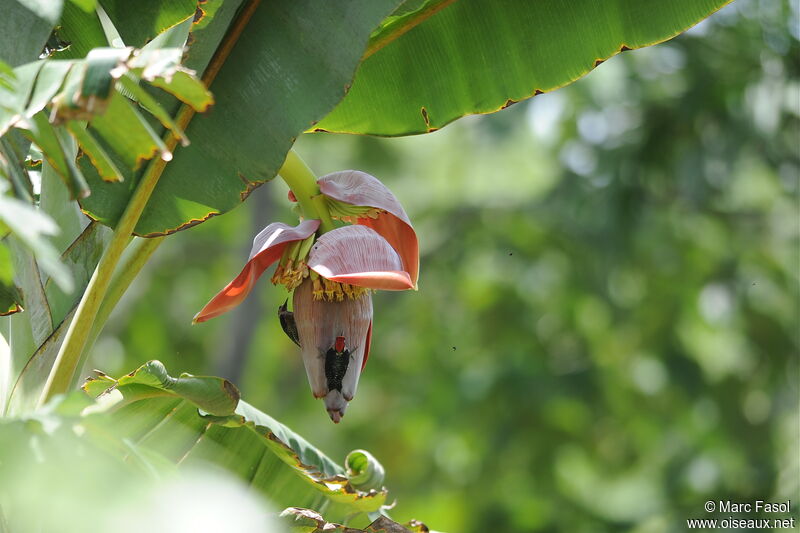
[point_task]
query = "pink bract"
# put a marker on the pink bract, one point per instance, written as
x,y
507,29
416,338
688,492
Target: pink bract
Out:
x,y
267,248
359,256
360,189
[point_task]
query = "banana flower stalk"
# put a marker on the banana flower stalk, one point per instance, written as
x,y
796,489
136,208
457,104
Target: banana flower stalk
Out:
x,y
331,275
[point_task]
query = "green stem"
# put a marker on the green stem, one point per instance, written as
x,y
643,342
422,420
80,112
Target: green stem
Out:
x,y
303,183
135,257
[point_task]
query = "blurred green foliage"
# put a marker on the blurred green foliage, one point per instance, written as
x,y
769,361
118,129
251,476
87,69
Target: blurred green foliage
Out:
x,y
606,330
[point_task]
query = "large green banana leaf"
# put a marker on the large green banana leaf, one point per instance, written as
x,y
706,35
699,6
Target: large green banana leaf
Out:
x,y
454,58
148,425
191,420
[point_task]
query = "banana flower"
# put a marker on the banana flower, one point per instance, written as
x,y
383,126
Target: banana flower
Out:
x,y
331,276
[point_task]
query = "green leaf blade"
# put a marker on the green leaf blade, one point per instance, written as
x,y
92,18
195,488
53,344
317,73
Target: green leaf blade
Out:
x,y
48,82
473,57
160,413
139,22
100,159
31,227
82,30
149,103
127,132
187,89
53,143
14,97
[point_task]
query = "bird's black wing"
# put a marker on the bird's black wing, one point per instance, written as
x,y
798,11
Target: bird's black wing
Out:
x,y
287,323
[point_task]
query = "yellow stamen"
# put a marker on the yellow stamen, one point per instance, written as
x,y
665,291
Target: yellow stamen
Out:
x,y
276,277
317,288
291,272
330,289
